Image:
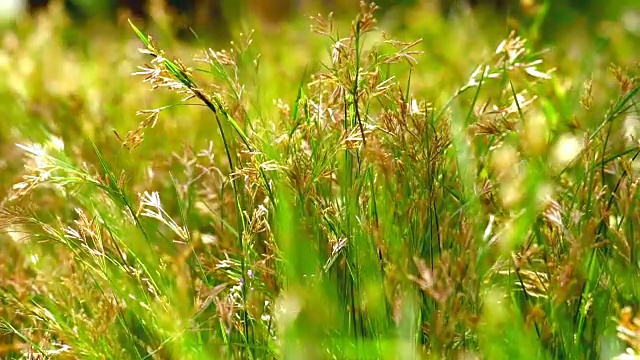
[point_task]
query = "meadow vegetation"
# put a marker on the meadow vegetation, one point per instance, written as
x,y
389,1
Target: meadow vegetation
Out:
x,y
345,186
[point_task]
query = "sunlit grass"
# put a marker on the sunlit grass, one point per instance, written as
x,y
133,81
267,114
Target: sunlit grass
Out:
x,y
453,190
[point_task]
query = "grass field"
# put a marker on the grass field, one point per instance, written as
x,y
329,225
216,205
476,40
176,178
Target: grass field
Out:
x,y
360,187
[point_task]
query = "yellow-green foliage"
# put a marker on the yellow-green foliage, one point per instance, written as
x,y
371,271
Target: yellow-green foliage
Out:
x,y
357,189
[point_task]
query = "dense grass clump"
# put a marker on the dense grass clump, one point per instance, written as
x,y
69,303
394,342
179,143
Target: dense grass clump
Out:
x,y
339,193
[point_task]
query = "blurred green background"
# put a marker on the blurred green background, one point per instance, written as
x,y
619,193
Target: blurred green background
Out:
x,y
217,17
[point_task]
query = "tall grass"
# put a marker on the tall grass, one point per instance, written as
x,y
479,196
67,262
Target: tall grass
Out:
x,y
338,194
